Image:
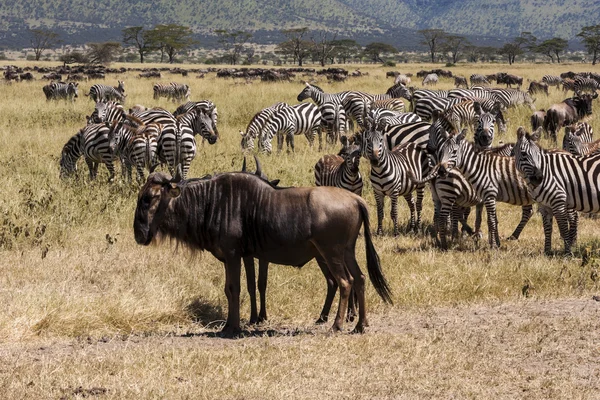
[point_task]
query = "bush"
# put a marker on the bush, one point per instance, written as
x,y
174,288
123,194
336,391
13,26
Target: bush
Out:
x,y
389,64
450,65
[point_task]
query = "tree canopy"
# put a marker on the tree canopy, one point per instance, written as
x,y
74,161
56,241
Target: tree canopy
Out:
x,y
590,36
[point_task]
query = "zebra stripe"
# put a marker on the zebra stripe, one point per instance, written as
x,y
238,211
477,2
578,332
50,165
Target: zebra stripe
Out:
x,y
256,126
341,170
206,106
99,92
382,118
478,79
61,91
425,106
420,93
584,85
107,112
513,97
330,104
390,177
287,121
578,140
137,147
493,177
552,80
172,91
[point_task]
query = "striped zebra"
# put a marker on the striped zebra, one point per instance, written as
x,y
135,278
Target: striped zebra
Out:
x,y
136,146
341,170
552,80
208,107
420,93
107,112
425,106
99,92
494,178
430,79
172,91
389,176
256,125
387,104
583,85
61,91
578,140
357,104
470,93
287,121
478,79
561,182
382,118
468,113
91,142
460,81
513,97
568,84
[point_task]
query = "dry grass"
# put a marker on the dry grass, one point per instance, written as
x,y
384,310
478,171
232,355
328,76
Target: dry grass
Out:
x,y
89,313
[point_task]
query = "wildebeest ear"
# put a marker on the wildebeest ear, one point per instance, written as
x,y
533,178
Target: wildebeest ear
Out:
x,y
521,132
275,182
178,175
174,190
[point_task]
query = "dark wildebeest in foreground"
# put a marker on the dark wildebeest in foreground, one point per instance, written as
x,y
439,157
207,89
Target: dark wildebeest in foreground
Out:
x,y
237,215
568,112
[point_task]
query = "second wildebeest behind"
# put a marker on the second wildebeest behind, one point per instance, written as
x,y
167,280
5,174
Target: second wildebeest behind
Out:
x,y
237,215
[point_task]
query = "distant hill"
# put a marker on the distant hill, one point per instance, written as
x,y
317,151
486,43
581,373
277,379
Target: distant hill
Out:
x,y
391,21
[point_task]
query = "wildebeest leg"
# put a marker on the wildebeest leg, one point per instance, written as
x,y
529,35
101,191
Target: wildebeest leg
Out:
x,y
331,289
334,256
263,272
251,285
358,289
233,266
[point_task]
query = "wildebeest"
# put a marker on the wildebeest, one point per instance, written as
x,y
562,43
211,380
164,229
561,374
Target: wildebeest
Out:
x,y
460,81
537,87
237,215
431,79
569,111
537,119
509,79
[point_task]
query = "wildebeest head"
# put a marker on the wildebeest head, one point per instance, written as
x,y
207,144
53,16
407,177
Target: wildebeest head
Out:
x,y
583,103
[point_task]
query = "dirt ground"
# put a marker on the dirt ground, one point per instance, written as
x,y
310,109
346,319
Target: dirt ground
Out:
x,y
525,349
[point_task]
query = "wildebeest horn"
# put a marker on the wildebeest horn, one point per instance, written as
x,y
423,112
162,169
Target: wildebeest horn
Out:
x,y
244,165
258,167
178,175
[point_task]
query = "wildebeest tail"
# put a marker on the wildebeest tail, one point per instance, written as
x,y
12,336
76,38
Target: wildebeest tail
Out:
x,y
373,263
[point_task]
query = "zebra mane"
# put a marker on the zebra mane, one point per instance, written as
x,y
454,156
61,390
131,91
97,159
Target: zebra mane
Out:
x,y
133,120
394,87
318,88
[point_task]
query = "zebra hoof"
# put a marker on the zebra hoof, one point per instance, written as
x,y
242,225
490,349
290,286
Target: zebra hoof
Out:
x,y
512,238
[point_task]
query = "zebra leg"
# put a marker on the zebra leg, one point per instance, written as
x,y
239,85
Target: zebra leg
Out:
x,y
111,171
420,195
289,141
562,219
140,173
463,218
279,142
547,224
573,226
527,212
320,133
379,199
394,199
411,207
493,237
478,218
251,285
442,224
91,166
455,216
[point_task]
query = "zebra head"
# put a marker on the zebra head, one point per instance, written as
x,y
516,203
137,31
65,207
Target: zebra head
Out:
x,y
308,91
484,133
247,142
373,146
528,156
72,89
204,127
70,154
121,87
115,134
351,152
450,153
399,90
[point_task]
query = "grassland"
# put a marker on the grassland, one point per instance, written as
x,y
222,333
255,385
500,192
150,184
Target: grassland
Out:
x,y
88,313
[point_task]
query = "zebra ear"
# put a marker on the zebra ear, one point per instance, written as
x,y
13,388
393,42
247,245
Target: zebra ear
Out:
x,y
477,108
521,132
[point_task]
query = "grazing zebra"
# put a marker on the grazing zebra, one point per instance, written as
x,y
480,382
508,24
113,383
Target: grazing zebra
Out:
x,y
578,140
425,106
256,126
460,81
561,182
357,104
430,79
91,142
99,92
172,91
137,147
330,104
382,118
341,170
107,112
478,79
389,176
420,93
287,121
494,178
513,97
61,91
584,85
552,80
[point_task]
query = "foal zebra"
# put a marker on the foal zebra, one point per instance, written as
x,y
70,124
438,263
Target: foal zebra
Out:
x,y
287,121
561,182
61,91
172,91
341,170
99,92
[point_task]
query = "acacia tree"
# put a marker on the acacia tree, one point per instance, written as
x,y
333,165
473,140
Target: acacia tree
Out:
x,y
296,45
433,37
590,36
42,40
553,47
375,50
234,43
345,49
453,45
511,51
103,53
323,48
519,45
171,39
139,38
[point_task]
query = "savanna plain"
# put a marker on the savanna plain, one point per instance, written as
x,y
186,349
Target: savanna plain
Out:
x,y
87,313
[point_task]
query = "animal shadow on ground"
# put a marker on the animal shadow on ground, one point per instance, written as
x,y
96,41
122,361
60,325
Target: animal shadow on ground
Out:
x,y
213,316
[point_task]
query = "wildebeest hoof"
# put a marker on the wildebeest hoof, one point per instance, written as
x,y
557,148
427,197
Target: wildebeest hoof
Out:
x,y
322,319
359,329
230,332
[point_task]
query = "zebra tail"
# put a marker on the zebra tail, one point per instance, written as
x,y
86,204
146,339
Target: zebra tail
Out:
x,y
148,154
373,263
177,146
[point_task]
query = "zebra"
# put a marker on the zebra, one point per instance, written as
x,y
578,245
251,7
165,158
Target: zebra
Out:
x,y
472,93
91,142
513,97
137,147
99,92
387,104
341,170
382,118
430,79
172,91
402,78
287,121
389,176
494,178
468,112
206,106
425,106
478,79
460,81
552,80
61,91
420,93
107,112
584,85
561,182
578,140
256,126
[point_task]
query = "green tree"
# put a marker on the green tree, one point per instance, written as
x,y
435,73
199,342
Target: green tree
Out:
x,y
345,49
103,53
323,48
171,39
139,38
552,47
42,40
511,51
234,43
72,57
375,51
454,46
590,36
433,37
296,46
